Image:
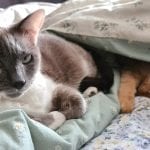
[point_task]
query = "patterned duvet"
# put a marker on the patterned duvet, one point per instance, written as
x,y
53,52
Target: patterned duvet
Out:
x,y
127,131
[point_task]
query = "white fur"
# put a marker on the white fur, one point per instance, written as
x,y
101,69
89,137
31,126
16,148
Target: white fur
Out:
x,y
83,103
90,92
37,98
59,119
36,101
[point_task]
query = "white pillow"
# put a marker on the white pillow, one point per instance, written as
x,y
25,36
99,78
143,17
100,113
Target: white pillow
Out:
x,y
15,13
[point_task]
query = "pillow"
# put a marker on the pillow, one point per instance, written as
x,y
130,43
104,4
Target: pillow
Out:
x,y
120,27
15,13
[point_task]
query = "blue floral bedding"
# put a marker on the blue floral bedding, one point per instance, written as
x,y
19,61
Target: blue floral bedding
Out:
x,y
127,131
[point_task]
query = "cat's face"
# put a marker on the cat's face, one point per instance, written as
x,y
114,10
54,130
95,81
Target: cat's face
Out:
x,y
19,55
19,62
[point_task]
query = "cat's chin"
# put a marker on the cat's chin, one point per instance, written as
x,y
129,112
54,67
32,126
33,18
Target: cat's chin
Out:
x,y
14,95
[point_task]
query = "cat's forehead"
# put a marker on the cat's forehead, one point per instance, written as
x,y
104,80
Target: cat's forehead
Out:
x,y
10,43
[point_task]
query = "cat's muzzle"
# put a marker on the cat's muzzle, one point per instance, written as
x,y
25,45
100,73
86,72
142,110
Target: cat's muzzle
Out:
x,y
13,93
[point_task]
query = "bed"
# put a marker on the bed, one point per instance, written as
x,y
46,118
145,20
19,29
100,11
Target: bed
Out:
x,y
116,26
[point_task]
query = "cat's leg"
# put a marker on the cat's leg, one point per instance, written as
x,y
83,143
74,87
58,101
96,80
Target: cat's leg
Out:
x,y
98,82
69,101
105,63
89,82
127,91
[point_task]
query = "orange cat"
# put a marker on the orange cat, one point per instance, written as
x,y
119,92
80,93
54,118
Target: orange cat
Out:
x,y
135,80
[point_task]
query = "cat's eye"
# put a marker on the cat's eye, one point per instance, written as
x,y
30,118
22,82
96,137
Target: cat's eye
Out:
x,y
27,59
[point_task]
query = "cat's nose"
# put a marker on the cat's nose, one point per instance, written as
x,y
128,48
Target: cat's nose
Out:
x,y
19,84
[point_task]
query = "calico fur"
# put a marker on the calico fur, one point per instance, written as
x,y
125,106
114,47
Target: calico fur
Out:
x,y
135,80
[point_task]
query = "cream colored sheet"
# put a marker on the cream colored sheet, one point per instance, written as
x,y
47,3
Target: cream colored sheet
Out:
x,y
15,13
120,19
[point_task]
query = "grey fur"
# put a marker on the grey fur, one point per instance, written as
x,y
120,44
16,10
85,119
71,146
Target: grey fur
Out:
x,y
13,48
64,62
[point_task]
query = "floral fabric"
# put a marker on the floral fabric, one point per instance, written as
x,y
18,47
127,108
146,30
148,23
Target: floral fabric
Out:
x,y
121,19
127,131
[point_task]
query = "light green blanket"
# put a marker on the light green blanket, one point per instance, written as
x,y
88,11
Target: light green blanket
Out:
x,y
19,132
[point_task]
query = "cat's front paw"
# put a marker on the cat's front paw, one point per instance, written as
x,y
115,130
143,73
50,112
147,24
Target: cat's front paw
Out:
x,y
52,119
58,119
90,91
126,104
69,101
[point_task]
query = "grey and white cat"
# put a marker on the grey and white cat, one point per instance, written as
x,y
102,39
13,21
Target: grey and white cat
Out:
x,y
41,72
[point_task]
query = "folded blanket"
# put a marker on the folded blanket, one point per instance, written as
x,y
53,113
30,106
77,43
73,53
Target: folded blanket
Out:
x,y
18,131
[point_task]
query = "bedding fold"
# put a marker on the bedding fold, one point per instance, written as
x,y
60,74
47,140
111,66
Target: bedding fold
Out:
x,y
18,131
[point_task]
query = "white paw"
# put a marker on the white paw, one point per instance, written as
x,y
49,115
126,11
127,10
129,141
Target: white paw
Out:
x,y
90,92
58,119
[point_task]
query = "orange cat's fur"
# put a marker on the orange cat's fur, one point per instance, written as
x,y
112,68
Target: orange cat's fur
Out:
x,y
135,80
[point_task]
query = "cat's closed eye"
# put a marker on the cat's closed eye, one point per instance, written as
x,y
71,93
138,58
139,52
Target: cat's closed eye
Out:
x,y
27,59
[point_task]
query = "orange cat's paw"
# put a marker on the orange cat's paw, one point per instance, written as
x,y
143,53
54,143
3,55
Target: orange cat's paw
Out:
x,y
126,109
126,105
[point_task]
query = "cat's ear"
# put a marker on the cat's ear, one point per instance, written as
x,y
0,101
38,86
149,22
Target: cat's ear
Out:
x,y
31,25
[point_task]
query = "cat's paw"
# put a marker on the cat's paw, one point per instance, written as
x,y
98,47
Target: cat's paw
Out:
x,y
126,104
52,119
74,107
90,91
58,119
69,101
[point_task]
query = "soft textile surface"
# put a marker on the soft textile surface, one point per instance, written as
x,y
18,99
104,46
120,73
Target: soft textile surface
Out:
x,y
14,13
121,19
126,132
18,131
120,26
